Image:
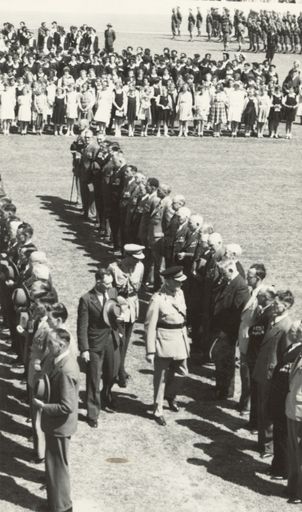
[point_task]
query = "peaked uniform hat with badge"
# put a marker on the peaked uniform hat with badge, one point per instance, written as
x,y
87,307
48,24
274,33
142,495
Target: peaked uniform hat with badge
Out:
x,y
135,250
175,273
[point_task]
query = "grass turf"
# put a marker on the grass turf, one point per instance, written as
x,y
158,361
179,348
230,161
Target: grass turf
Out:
x,y
204,459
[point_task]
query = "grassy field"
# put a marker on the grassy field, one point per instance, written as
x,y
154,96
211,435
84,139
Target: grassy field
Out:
x,y
204,459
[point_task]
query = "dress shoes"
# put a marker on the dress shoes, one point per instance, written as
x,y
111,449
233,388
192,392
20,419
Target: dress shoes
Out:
x,y
92,423
123,380
160,420
265,455
173,406
108,408
37,460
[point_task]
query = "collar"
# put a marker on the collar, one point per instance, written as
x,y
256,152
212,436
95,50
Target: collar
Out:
x,y
279,318
61,356
233,277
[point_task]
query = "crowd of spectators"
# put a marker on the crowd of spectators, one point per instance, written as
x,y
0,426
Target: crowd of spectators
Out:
x,y
50,84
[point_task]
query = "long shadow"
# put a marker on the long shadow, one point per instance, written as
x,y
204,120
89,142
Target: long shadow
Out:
x,y
228,460
85,237
13,493
15,455
80,233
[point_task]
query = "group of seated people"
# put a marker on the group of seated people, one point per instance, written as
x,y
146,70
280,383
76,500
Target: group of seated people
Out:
x,y
138,92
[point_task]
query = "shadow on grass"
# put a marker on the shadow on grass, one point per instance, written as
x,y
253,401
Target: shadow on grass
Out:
x,y
85,237
14,455
77,231
226,449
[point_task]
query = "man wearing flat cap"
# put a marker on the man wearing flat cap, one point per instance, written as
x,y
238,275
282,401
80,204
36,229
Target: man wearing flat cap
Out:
x,y
127,279
167,343
109,38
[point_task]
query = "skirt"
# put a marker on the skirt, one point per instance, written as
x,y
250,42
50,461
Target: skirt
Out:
x,y
218,113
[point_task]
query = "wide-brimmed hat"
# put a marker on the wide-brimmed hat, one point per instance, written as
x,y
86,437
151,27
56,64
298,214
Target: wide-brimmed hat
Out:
x,y
135,250
42,389
175,273
113,308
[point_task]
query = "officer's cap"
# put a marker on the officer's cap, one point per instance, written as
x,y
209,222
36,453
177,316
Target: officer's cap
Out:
x,y
175,273
135,250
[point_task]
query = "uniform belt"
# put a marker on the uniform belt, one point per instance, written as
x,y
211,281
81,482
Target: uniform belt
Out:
x,y
126,295
163,325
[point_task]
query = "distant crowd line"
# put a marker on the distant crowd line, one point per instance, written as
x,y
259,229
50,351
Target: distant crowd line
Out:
x,y
50,88
266,30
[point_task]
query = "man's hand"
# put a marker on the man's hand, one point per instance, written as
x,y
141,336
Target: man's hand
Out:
x,y
181,255
85,356
38,403
150,358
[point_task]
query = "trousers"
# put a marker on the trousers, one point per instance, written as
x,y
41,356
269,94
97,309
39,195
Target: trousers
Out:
x,y
57,473
294,485
265,426
223,355
165,382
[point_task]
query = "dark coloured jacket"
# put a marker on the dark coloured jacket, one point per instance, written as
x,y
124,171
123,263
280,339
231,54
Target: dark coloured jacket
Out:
x,y
60,415
92,331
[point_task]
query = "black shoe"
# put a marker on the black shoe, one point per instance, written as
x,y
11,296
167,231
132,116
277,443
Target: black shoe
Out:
x,y
265,455
160,420
107,408
122,380
173,406
92,423
37,460
294,501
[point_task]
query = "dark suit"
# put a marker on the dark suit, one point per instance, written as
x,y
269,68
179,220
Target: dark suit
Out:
x,y
109,40
59,422
96,337
229,303
272,347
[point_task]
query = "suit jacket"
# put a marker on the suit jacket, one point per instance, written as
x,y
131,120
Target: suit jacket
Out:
x,y
60,415
180,239
155,230
92,331
247,317
293,405
191,242
273,345
229,303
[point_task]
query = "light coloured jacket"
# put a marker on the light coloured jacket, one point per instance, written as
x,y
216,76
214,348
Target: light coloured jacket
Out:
x,y
167,309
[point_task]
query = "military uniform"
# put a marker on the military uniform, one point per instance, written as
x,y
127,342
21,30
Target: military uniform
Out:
x,y
128,276
167,339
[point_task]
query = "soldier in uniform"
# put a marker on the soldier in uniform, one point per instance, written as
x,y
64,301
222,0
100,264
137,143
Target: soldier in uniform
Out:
x,y
226,28
167,343
191,24
179,20
209,24
86,187
198,22
127,278
76,149
174,23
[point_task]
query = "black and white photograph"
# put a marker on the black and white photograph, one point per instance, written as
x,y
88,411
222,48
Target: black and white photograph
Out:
x,y
150,271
